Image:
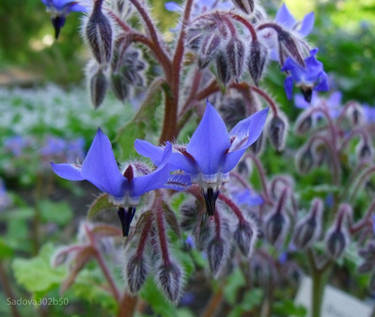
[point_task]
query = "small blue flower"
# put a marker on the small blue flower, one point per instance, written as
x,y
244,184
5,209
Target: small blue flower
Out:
x,y
16,144
248,197
308,78
100,169
59,9
369,113
212,152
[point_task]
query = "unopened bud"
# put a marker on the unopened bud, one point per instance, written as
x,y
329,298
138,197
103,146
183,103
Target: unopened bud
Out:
x,y
136,273
308,229
304,123
99,34
305,160
209,48
355,113
257,61
245,236
336,243
289,47
170,280
235,51
222,67
246,6
119,86
189,214
98,88
257,146
364,151
216,255
277,131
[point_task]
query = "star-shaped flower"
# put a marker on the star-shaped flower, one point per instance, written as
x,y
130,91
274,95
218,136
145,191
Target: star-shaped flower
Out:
x,y
308,78
212,152
59,9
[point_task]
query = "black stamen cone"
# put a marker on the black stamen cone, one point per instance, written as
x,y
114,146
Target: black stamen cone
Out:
x,y
307,93
58,22
126,217
210,197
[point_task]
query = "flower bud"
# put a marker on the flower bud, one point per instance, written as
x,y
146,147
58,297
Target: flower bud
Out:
x,y
136,273
99,34
305,160
235,51
364,151
216,255
355,113
308,229
208,49
277,131
222,67
257,61
170,280
257,146
189,214
119,86
245,236
304,123
98,88
246,6
289,47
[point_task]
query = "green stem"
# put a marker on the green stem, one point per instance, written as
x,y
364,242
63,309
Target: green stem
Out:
x,y
318,285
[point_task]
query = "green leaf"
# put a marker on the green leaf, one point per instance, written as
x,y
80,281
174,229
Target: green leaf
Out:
x,y
159,304
100,204
251,299
56,212
234,282
36,274
288,308
5,250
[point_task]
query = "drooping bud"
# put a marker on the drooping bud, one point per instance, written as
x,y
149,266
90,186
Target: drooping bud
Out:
x,y
210,197
98,88
189,214
304,122
222,67
364,150
257,61
277,131
288,47
276,225
235,51
126,217
257,146
216,255
99,34
170,280
355,113
305,160
119,86
308,229
208,50
246,6
245,236
136,273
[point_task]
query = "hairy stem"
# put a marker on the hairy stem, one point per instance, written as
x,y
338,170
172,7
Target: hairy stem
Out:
x,y
8,290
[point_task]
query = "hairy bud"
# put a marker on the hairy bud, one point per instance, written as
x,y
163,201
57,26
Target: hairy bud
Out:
x,y
235,51
222,67
355,113
136,273
289,47
170,280
209,48
257,61
304,123
277,131
245,236
119,86
246,6
308,229
216,255
99,34
305,160
364,151
98,88
257,146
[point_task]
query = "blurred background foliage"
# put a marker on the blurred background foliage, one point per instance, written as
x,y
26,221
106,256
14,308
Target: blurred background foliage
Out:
x,y
343,32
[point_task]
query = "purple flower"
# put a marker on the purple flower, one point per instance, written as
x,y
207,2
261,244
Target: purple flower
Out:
x,y
201,6
212,152
369,113
308,78
100,169
4,197
248,197
59,9
53,146
16,144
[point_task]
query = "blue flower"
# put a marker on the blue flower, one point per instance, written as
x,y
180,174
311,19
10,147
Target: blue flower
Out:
x,y
308,78
212,152
59,9
4,197
100,168
369,113
200,6
16,144
248,198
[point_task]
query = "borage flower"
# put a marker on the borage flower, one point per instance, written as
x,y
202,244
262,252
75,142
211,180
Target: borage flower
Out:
x,y
308,78
59,9
100,168
211,153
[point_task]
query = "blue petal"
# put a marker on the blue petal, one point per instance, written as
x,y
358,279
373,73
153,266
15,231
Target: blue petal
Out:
x,y
334,99
67,171
300,102
173,7
294,69
209,142
156,179
249,198
100,167
178,182
288,86
323,83
307,24
285,18
231,160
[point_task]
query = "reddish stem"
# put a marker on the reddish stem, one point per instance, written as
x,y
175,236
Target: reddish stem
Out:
x,y
234,207
143,239
246,23
161,231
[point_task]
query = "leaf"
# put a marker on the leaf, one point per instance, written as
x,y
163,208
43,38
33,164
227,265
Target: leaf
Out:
x,y
251,299
56,212
235,281
36,274
5,250
99,204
